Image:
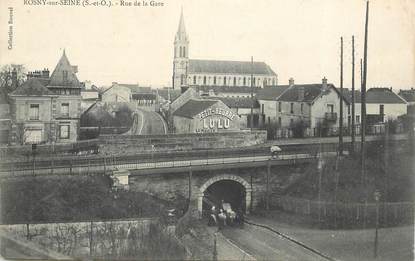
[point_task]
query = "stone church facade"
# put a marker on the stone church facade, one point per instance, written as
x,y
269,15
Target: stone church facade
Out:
x,y
191,72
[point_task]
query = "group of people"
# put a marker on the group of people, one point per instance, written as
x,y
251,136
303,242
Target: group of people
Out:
x,y
223,216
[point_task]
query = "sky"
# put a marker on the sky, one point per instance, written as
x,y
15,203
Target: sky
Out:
x,y
297,38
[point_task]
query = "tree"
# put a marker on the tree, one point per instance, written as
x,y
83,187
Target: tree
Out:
x,y
6,76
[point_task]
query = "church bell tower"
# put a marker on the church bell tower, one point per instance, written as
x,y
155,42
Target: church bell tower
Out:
x,y
181,56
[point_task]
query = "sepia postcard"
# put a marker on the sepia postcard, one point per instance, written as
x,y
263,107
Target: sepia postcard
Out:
x,y
207,130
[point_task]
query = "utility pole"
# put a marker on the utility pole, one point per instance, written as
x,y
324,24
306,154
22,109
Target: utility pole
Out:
x,y
353,113
267,185
252,92
341,99
363,98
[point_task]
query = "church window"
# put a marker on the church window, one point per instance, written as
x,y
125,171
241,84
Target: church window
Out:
x,y
265,82
224,80
234,81
214,80
204,80
194,79
253,81
184,51
244,81
180,54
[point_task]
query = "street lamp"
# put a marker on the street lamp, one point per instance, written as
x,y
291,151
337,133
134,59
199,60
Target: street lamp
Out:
x,y
376,195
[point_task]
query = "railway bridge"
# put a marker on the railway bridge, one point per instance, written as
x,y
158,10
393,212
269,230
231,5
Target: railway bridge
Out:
x,y
245,184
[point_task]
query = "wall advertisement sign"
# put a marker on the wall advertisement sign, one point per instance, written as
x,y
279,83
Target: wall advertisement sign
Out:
x,y
215,119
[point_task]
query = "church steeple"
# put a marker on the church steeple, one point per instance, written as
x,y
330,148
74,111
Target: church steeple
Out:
x,y
181,34
181,55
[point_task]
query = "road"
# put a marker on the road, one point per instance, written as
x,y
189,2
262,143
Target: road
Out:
x,y
395,243
265,245
148,123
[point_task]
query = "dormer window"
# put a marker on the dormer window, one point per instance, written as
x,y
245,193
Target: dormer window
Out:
x,y
65,76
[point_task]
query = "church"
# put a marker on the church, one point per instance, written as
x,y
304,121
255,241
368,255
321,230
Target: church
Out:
x,y
193,73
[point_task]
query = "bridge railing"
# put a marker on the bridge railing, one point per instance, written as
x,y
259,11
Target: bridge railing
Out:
x,y
95,164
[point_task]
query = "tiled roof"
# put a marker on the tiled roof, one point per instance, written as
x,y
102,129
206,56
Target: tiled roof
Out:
x,y
226,89
271,93
239,102
31,87
143,96
193,107
139,89
311,92
229,67
133,87
382,95
347,93
408,95
57,77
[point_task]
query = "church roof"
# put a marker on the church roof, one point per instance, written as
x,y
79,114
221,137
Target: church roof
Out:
x,y
193,107
226,89
57,79
229,67
32,87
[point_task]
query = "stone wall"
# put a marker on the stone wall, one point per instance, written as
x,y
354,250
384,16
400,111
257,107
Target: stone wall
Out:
x,y
174,187
125,144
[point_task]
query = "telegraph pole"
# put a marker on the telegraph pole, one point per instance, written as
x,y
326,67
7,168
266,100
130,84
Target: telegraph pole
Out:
x,y
341,99
353,113
252,92
363,98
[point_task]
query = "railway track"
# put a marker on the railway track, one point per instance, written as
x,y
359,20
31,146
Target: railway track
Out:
x,y
293,240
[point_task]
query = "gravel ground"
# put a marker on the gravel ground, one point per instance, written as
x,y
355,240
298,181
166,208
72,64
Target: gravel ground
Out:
x,y
395,243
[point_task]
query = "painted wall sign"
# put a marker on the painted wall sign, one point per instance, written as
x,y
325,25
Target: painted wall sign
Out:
x,y
217,111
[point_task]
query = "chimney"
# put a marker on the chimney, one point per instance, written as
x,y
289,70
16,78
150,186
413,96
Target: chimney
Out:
x,y
324,83
300,95
14,78
45,73
291,81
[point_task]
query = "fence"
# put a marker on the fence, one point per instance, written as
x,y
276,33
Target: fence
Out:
x,y
348,215
48,149
85,165
303,132
109,240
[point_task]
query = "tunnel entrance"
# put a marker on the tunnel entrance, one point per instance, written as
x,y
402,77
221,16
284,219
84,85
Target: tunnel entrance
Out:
x,y
229,191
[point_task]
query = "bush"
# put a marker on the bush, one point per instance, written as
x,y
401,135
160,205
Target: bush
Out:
x,y
298,128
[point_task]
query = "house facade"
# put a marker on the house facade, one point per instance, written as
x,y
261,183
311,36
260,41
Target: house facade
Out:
x,y
312,105
47,109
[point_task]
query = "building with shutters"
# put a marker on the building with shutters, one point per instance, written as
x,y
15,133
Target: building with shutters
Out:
x,y
47,108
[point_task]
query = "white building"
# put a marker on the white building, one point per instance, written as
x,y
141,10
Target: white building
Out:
x,y
312,104
382,104
192,72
